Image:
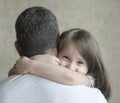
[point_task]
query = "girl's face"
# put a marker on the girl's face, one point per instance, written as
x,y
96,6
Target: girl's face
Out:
x,y
71,59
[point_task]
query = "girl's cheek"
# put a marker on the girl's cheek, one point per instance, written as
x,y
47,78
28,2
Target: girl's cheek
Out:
x,y
82,70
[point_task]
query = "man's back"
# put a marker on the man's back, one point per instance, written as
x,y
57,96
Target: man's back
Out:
x,y
31,89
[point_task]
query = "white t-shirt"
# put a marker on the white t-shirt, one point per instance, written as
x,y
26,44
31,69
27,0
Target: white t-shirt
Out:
x,y
32,89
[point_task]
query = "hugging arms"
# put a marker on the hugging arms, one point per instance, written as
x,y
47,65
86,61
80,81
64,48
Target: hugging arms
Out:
x,y
79,62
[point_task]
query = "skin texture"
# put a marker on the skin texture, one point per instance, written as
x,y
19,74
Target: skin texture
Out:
x,y
69,69
71,59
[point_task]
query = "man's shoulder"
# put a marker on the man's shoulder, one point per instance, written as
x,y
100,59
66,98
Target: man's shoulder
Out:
x,y
90,89
17,81
25,85
82,93
94,94
19,89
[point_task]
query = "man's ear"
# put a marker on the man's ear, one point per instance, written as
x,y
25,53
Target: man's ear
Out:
x,y
58,38
59,34
17,46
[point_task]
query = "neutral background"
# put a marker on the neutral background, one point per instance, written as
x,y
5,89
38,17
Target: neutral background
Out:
x,y
100,17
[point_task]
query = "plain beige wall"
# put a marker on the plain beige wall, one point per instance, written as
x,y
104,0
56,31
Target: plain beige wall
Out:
x,y
100,17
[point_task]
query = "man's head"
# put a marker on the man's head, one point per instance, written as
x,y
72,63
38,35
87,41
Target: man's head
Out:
x,y
36,31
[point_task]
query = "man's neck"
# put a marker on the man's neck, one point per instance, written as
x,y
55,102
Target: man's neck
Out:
x,y
51,52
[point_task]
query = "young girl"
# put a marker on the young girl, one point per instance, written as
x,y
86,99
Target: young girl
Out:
x,y
79,52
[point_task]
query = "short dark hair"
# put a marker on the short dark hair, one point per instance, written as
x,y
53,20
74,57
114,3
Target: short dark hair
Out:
x,y
36,31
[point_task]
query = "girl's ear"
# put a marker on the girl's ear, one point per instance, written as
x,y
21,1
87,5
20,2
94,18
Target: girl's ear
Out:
x,y
17,46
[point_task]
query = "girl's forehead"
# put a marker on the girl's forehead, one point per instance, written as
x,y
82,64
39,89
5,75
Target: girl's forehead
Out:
x,y
68,45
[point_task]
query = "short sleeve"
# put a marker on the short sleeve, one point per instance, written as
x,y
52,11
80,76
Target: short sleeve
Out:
x,y
92,80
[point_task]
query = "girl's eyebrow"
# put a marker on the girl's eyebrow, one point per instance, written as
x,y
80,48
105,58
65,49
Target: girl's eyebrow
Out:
x,y
81,59
65,52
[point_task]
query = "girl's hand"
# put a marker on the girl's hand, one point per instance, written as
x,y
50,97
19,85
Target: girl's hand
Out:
x,y
22,66
46,58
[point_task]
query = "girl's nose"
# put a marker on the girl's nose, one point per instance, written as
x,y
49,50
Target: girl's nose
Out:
x,y
70,66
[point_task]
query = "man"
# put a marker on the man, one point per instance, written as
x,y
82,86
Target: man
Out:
x,y
37,33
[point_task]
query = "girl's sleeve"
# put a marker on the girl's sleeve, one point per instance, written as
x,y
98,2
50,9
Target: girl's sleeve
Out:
x,y
92,80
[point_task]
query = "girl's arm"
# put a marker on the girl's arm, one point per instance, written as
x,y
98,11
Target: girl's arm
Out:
x,y
58,74
50,71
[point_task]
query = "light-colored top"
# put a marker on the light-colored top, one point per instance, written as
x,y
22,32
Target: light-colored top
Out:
x,y
92,80
32,89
